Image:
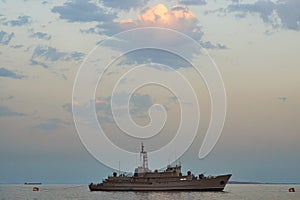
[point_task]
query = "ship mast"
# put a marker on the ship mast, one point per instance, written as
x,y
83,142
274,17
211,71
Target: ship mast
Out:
x,y
144,158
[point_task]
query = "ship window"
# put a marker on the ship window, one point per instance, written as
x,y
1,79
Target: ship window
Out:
x,y
222,182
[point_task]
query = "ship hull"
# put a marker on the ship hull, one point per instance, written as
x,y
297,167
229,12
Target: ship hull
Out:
x,y
217,183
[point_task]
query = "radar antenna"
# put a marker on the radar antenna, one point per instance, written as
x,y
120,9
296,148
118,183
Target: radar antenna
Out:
x,y
144,158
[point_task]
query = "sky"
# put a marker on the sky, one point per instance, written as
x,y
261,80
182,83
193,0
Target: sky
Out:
x,y
147,53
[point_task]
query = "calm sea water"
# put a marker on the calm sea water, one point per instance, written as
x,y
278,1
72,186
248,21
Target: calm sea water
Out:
x,y
232,192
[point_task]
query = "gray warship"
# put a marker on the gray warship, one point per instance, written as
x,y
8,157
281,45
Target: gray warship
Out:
x,y
170,179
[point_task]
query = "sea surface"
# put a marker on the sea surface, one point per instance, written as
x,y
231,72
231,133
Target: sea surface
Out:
x,y
232,192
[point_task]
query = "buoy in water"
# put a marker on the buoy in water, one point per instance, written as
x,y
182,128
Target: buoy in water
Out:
x,y
35,189
291,189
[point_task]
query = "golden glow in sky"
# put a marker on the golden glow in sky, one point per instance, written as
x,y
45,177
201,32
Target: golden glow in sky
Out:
x,y
161,16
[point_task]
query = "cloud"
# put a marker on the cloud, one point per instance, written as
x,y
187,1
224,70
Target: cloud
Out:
x,y
193,2
178,18
17,46
7,112
34,63
125,4
41,35
102,106
209,45
282,14
6,98
144,56
140,104
103,109
99,102
5,37
74,56
20,21
48,53
68,107
263,7
10,74
52,124
82,11
289,13
51,54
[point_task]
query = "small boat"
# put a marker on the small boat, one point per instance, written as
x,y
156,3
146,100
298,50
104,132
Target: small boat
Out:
x,y
170,179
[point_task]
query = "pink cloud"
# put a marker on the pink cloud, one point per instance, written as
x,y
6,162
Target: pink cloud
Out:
x,y
178,18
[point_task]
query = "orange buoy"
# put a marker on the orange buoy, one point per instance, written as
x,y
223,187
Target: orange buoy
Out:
x,y
35,189
291,189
